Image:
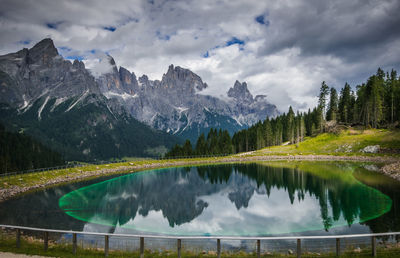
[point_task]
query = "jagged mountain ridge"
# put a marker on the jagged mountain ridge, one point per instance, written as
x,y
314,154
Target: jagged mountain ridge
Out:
x,y
175,104
60,104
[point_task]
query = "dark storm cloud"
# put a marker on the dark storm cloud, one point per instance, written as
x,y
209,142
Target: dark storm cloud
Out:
x,y
348,29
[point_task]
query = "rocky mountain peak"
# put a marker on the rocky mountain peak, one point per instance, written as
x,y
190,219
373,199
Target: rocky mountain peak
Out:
x,y
126,76
78,65
43,50
143,79
240,92
123,71
170,69
181,78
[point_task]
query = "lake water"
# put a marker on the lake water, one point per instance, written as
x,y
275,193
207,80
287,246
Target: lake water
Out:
x,y
257,199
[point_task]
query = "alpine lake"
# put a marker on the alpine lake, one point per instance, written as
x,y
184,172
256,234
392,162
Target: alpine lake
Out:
x,y
238,199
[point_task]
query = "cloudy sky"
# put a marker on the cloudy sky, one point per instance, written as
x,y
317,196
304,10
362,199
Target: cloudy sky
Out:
x,y
283,49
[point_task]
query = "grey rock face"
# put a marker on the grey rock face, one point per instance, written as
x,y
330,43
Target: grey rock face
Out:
x,y
240,93
30,74
174,104
246,109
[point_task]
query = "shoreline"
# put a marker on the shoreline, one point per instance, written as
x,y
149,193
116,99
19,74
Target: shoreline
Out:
x,y
391,168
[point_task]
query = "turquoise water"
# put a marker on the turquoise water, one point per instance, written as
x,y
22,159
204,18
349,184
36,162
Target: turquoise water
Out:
x,y
232,199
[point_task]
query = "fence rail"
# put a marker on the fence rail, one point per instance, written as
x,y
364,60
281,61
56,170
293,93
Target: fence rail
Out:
x,y
180,238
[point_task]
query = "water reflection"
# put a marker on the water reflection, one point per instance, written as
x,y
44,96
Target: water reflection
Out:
x,y
239,199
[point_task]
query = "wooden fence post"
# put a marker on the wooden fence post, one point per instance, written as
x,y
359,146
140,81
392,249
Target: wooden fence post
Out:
x,y
106,245
46,240
18,238
74,243
298,248
373,244
337,246
142,247
179,248
219,248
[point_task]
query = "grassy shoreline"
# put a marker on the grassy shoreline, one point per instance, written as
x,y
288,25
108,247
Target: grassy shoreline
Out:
x,y
15,185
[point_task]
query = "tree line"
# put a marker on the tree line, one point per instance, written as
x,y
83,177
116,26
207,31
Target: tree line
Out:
x,y
373,104
20,152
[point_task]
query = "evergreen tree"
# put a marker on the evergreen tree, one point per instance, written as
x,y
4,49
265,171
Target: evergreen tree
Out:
x,y
333,105
201,146
20,152
187,149
345,104
268,134
290,127
323,93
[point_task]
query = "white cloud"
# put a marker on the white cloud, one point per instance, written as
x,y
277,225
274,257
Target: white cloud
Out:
x,y
301,44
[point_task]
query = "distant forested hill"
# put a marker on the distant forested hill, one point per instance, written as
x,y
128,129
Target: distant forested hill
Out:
x,y
20,152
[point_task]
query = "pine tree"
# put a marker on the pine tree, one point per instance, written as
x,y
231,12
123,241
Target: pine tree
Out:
x,y
333,105
187,149
323,93
345,104
201,145
268,134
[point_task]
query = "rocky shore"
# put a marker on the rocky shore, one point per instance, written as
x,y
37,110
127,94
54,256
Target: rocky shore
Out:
x,y
391,168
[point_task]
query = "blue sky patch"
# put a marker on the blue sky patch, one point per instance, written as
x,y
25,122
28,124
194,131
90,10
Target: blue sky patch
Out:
x,y
161,36
261,20
233,41
110,28
206,55
53,25
65,48
24,42
79,58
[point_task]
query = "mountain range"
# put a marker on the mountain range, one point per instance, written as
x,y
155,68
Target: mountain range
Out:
x,y
114,114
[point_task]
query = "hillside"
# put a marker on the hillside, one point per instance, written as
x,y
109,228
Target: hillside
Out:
x,y
347,142
89,131
20,152
59,104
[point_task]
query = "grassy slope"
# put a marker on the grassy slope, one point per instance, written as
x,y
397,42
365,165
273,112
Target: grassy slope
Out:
x,y
349,142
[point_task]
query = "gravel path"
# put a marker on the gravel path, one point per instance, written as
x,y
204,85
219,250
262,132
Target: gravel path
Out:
x,y
391,169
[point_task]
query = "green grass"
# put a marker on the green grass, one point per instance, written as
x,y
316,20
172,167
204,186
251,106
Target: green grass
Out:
x,y
348,142
88,171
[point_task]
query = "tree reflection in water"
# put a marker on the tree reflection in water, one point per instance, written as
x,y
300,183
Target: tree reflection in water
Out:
x,y
233,199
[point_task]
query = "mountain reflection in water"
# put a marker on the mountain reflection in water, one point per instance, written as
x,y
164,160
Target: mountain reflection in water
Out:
x,y
233,199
